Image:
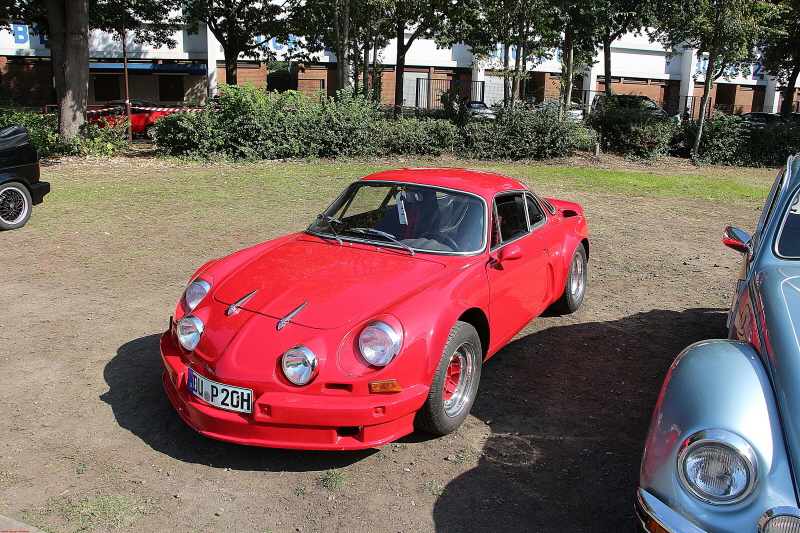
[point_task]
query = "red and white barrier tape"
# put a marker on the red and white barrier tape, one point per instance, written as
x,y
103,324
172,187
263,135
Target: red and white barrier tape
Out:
x,y
152,109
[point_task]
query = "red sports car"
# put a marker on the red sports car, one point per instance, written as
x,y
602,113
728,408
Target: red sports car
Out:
x,y
144,114
376,319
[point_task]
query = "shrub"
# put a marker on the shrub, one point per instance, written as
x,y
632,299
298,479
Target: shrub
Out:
x,y
417,137
633,132
773,144
43,130
521,134
724,141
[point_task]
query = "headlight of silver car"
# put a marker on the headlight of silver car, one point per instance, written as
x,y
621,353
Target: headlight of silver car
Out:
x,y
379,343
189,331
194,293
299,365
717,467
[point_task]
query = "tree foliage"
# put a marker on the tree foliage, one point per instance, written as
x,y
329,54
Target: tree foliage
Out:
x,y
780,49
725,31
242,27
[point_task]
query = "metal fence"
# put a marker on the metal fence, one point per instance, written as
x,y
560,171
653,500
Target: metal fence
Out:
x,y
429,92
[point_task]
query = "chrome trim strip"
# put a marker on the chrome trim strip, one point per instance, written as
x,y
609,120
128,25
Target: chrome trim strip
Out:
x,y
648,505
285,320
236,307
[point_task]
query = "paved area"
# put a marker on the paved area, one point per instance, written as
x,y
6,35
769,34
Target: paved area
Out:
x,y
8,525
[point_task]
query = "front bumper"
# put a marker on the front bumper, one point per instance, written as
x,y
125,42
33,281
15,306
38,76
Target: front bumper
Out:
x,y
655,517
300,421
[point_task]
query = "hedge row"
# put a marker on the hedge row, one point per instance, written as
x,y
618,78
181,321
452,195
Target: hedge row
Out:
x,y
254,125
43,130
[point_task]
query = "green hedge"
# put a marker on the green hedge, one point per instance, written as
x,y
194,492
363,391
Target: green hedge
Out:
x,y
43,130
251,124
633,132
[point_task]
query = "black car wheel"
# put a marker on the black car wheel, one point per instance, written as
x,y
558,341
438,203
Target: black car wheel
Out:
x,y
454,384
15,205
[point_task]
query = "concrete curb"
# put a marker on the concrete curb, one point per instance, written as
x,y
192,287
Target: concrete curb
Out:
x,y
8,525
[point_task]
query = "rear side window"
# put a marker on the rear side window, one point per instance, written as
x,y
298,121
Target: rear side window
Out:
x,y
789,236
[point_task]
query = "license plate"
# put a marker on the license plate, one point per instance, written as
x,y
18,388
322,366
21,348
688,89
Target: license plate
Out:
x,y
219,395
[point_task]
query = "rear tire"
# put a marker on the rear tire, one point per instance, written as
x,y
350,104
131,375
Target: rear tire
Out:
x,y
150,132
15,205
455,383
575,288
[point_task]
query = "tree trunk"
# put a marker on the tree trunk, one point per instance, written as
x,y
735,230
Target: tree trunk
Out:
x,y
231,66
567,72
505,74
788,92
400,68
367,39
712,58
69,48
607,66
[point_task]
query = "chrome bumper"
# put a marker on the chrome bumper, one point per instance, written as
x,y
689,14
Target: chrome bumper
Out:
x,y
655,517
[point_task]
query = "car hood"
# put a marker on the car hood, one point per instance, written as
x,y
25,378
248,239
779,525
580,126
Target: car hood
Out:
x,y
335,282
778,300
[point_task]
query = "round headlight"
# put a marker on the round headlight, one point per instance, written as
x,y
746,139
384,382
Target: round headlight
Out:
x,y
189,330
195,292
717,467
299,365
780,520
379,343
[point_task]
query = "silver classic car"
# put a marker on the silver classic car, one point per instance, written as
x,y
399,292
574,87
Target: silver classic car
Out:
x,y
723,450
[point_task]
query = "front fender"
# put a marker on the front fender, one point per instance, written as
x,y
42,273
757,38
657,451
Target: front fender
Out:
x,y
717,384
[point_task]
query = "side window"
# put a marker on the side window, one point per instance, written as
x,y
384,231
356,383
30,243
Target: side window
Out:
x,y
510,218
789,238
535,214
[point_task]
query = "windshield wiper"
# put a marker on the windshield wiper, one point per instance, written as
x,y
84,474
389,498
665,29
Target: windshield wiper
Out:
x,y
370,231
329,219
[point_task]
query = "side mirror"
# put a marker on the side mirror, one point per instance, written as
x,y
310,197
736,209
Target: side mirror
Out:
x,y
509,253
738,240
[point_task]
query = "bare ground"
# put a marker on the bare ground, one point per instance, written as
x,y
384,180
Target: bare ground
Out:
x,y
90,441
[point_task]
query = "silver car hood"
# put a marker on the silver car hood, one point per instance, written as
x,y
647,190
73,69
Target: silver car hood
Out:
x,y
777,299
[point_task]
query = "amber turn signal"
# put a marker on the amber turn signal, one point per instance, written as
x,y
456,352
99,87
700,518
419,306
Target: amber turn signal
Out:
x,y
388,385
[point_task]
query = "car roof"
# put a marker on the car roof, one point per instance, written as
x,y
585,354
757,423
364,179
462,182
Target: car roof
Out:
x,y
480,182
137,103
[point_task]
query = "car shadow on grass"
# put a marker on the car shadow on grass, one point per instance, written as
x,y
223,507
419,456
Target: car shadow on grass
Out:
x,y
141,406
569,408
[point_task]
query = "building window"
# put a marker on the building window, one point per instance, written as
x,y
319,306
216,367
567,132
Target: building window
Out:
x,y
170,88
106,87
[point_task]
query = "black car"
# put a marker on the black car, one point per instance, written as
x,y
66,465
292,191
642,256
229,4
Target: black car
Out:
x,y
759,119
20,187
630,101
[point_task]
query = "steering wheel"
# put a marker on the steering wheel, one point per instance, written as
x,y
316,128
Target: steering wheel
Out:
x,y
441,238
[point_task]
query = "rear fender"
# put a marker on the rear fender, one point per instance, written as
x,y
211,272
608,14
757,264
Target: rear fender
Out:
x,y
717,384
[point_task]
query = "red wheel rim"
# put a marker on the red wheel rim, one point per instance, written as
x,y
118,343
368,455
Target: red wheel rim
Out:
x,y
452,378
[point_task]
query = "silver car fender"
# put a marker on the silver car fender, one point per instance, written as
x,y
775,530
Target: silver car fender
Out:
x,y
721,385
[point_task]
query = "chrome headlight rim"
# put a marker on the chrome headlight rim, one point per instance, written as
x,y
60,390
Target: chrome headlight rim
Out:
x,y
310,366
776,513
395,340
725,439
194,293
191,339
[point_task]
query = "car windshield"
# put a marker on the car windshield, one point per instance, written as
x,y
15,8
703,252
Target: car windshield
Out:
x,y
789,237
421,218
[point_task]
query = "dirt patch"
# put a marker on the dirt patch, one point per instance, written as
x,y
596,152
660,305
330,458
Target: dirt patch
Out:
x,y
553,442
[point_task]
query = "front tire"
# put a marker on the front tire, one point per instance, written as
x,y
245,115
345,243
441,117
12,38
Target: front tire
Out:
x,y
575,289
150,132
15,205
455,383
